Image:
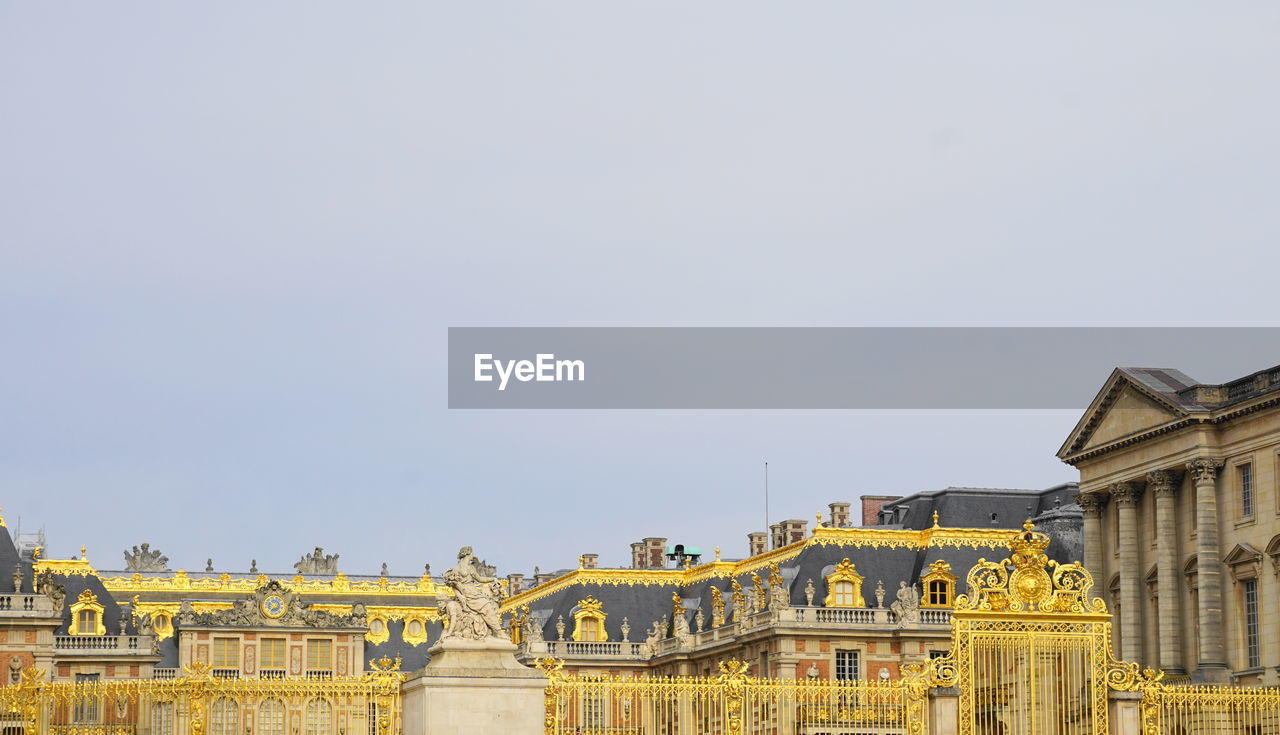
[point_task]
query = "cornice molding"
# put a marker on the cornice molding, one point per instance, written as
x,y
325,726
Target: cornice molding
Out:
x,y
857,538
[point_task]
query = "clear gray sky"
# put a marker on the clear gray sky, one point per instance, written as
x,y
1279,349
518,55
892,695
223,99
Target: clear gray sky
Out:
x,y
232,236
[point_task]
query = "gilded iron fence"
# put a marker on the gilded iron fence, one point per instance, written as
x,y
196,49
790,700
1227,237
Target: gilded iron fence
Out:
x,y
200,704
1210,710
732,703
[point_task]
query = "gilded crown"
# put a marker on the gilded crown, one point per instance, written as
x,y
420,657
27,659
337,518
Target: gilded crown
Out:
x,y
1029,546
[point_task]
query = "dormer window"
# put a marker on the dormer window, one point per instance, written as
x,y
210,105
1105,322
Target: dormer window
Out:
x,y
939,585
844,586
588,621
86,616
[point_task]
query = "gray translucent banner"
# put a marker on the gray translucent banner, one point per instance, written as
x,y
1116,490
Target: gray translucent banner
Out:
x,y
784,368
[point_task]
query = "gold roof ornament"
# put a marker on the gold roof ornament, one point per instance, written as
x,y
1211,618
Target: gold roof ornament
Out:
x,y
590,604
1037,584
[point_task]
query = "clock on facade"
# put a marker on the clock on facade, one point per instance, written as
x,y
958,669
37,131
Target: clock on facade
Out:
x,y
273,606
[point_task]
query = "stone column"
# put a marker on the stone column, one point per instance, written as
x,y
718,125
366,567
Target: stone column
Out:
x,y
1165,489
1126,495
1093,503
1213,654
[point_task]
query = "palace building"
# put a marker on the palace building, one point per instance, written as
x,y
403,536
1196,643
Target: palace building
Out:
x,y
1178,483
836,601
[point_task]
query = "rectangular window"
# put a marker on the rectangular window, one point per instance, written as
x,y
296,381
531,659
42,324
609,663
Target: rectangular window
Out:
x,y
848,667
85,708
319,654
1251,623
844,594
1246,490
87,622
272,653
226,653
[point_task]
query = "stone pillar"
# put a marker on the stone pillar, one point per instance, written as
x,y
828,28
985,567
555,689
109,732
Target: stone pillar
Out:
x,y
1093,503
1213,654
1164,487
1125,496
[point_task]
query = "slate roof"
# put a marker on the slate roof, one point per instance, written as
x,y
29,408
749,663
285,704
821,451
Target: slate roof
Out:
x,y
975,507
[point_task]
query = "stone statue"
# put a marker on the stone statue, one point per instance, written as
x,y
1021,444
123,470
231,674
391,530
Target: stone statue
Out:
x,y
56,593
680,620
809,591
208,565
532,629
779,596
477,616
317,563
17,578
907,606
145,559
759,597
384,572
813,672
650,646
451,610
15,669
123,621
880,593
626,630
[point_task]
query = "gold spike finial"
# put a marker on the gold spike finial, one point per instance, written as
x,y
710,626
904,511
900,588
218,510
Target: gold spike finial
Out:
x,y
717,553
935,519
84,553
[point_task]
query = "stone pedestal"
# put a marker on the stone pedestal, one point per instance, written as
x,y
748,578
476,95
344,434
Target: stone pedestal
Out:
x,y
474,688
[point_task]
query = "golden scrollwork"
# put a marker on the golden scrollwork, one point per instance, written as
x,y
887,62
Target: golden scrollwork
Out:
x,y
181,581
1037,584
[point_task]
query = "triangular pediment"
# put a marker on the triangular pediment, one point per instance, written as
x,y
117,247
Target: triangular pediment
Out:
x,y
1122,408
1242,554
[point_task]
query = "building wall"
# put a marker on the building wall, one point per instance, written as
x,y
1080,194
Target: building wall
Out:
x,y
1252,439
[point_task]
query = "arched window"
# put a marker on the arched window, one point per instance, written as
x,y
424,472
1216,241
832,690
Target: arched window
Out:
x,y
939,585
86,616
224,717
588,620
271,717
844,586
319,717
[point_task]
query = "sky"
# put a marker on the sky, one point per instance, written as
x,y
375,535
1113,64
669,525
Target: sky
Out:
x,y
233,236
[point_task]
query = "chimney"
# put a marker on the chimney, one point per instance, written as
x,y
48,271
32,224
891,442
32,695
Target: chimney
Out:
x,y
757,543
544,578
515,583
839,515
794,530
590,561
871,505
655,550
637,555
775,536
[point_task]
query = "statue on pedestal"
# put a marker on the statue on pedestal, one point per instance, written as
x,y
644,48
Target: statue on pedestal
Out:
x,y
473,611
907,606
